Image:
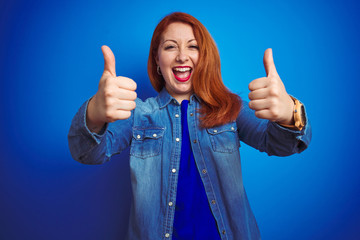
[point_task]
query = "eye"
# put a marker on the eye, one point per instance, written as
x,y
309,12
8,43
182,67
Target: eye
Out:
x,y
169,47
194,46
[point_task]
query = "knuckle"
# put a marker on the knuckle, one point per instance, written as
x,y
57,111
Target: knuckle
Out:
x,y
106,80
273,102
274,113
108,93
273,80
274,91
109,102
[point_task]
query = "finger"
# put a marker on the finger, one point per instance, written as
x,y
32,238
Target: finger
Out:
x,y
259,94
125,94
259,104
125,105
118,115
269,63
126,83
258,83
109,61
264,114
120,93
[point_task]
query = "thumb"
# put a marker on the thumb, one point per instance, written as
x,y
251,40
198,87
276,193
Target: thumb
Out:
x,y
109,60
269,63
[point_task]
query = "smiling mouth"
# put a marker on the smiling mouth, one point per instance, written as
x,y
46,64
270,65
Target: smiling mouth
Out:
x,y
182,73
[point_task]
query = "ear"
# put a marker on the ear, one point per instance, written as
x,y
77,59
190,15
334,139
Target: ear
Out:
x,y
157,60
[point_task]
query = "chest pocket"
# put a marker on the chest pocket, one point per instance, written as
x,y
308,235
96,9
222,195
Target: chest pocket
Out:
x,y
146,142
224,138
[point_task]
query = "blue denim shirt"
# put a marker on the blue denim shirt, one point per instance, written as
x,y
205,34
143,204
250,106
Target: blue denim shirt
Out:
x,y
153,133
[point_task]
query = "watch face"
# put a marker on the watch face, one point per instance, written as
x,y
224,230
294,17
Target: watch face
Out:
x,y
303,117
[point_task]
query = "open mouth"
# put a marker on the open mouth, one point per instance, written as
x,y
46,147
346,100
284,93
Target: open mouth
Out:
x,y
182,73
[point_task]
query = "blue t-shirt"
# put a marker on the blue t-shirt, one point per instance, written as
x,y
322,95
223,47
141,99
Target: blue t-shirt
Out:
x,y
193,217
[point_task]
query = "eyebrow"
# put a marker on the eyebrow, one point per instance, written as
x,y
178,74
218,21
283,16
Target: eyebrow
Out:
x,y
171,40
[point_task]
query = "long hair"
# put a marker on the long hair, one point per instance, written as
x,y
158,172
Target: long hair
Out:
x,y
218,105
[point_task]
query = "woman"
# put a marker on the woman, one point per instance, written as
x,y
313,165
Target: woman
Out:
x,y
184,143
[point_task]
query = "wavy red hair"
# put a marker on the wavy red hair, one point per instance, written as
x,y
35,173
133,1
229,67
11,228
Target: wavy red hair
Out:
x,y
218,106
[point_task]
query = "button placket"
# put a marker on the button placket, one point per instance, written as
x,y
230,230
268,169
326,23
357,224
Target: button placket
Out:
x,y
174,165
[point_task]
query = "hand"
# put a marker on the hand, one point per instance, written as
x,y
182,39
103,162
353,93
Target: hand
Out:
x,y
115,97
268,96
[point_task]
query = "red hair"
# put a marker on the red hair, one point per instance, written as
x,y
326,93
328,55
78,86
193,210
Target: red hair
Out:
x,y
218,105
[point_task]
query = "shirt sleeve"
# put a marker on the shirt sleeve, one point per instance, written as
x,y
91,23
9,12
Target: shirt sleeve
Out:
x,y
270,137
91,148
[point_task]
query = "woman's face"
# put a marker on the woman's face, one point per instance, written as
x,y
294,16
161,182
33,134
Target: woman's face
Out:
x,y
177,57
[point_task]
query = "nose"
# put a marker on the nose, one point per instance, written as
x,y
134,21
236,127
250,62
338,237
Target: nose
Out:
x,y
182,57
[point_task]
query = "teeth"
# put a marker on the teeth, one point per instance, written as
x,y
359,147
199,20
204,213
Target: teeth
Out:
x,y
182,69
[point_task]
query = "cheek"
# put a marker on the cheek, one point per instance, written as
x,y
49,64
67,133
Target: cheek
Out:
x,y
164,60
195,58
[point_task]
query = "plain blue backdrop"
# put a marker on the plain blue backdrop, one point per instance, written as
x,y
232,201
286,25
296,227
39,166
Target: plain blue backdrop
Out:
x,y
51,62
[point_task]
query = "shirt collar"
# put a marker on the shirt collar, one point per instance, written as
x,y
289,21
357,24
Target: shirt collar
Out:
x,y
164,98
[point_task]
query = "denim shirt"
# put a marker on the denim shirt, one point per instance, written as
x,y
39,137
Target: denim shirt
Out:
x,y
153,133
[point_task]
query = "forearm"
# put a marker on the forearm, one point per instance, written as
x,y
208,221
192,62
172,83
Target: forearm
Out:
x,y
92,148
270,137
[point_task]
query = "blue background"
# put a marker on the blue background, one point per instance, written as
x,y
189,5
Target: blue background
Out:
x,y
51,62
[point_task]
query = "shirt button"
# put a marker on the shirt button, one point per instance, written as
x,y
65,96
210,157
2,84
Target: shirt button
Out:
x,y
167,235
204,171
174,170
177,115
232,128
215,131
174,101
223,232
138,136
170,204
177,139
191,114
213,201
195,141
154,135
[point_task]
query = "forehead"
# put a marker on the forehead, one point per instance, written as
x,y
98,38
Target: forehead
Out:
x,y
178,31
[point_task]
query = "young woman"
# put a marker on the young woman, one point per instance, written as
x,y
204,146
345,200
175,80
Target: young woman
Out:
x,y
184,143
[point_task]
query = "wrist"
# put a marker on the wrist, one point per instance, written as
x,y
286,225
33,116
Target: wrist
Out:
x,y
298,118
289,119
93,124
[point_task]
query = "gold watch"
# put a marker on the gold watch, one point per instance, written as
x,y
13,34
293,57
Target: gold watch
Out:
x,y
299,116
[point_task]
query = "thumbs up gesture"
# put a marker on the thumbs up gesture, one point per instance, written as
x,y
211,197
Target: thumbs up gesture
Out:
x,y
268,96
115,97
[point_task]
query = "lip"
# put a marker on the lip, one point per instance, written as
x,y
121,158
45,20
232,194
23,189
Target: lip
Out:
x,y
182,79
